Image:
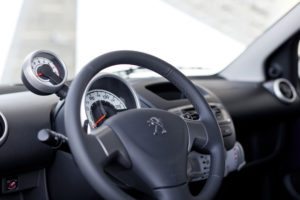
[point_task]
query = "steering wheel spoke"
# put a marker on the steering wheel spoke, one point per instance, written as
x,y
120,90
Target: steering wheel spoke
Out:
x,y
198,137
198,166
110,145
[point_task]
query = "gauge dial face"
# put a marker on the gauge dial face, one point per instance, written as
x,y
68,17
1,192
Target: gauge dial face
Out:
x,y
38,62
43,72
100,105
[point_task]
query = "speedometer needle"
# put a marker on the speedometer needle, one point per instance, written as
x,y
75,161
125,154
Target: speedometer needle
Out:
x,y
40,74
99,120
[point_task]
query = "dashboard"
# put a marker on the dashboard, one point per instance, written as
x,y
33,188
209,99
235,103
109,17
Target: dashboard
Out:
x,y
229,102
231,97
106,95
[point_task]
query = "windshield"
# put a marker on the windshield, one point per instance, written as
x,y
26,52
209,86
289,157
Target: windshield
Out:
x,y
199,37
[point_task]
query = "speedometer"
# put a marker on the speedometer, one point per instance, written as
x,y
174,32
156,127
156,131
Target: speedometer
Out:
x,y
100,105
106,95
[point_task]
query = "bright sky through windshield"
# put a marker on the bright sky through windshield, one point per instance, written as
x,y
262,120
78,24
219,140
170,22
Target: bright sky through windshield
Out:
x,y
153,27
197,34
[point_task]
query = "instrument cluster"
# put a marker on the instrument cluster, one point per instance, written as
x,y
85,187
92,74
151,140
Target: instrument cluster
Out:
x,y
107,95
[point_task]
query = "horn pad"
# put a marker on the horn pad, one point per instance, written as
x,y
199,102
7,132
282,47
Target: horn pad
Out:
x,y
157,143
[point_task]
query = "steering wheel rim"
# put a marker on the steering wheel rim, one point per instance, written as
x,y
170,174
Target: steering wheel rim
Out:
x,y
79,141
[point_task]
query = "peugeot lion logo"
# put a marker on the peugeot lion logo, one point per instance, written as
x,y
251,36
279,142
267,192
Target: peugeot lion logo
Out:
x,y
158,126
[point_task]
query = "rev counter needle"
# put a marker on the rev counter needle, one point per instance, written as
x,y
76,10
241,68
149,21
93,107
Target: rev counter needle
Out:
x,y
47,71
99,120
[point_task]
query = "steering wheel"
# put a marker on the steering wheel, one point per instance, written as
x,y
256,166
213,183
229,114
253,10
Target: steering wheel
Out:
x,y
150,145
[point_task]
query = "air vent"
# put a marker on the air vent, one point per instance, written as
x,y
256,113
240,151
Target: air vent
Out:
x,y
190,113
217,112
286,90
3,129
282,89
222,117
